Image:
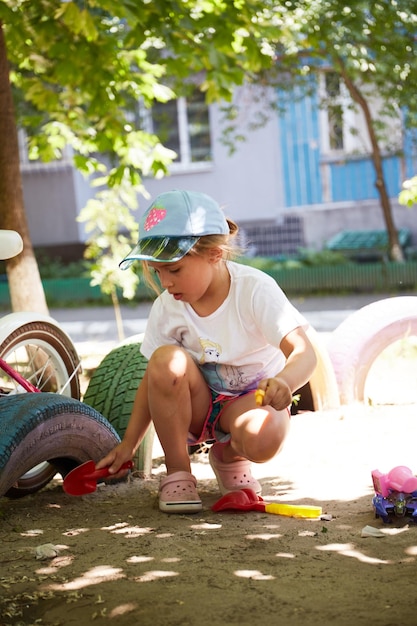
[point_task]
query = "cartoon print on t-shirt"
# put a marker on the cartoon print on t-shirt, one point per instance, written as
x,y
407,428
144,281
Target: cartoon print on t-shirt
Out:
x,y
211,351
218,376
234,378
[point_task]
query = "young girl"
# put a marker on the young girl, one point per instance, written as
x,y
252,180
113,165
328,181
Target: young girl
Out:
x,y
217,333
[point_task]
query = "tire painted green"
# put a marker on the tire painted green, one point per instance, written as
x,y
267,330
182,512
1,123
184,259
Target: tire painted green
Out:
x,y
112,390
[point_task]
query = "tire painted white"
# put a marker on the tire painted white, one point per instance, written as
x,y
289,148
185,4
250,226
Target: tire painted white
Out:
x,y
361,338
11,244
9,323
323,383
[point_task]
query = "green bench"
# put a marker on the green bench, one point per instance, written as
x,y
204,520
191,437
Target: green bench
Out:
x,y
366,245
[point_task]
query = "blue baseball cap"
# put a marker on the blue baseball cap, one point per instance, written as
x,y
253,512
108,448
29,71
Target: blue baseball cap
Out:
x,y
173,224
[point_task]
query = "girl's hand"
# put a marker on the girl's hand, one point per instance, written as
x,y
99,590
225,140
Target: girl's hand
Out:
x,y
115,459
277,393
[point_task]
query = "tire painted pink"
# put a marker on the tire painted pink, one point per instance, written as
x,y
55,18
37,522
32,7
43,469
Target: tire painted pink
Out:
x,y
361,338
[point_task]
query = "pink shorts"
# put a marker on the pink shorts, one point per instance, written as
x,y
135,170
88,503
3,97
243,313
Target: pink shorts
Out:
x,y
210,431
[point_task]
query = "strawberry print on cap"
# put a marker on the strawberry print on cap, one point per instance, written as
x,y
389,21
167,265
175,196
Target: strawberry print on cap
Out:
x,y
155,216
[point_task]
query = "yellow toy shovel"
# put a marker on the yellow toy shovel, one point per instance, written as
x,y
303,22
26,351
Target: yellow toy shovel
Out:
x,y
247,500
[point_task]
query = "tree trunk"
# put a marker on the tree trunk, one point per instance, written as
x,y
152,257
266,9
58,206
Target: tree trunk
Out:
x,y
25,285
396,252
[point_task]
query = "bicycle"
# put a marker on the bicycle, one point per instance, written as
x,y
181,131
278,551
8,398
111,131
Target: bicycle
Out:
x,y
44,427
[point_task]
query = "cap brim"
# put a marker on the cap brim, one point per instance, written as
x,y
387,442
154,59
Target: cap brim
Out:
x,y
159,250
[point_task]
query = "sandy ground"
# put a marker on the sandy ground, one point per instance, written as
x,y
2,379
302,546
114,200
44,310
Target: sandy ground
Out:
x,y
116,559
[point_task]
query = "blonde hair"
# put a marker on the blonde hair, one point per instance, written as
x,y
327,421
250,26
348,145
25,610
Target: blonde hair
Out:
x,y
225,242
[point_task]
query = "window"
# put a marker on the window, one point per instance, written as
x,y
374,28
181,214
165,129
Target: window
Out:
x,y
334,109
342,124
183,126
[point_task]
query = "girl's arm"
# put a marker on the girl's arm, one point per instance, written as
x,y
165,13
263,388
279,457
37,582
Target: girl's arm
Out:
x,y
137,427
300,364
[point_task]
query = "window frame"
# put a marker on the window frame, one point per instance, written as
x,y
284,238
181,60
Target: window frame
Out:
x,y
342,101
185,163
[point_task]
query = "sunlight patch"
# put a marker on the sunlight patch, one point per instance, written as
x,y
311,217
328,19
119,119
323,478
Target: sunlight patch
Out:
x,y
122,609
205,526
335,547
285,555
395,531
347,549
122,528
115,526
73,532
307,533
58,562
411,550
32,533
155,575
132,531
139,559
264,537
94,576
253,574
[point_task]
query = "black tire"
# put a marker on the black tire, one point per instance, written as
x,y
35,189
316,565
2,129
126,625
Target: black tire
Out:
x,y
40,427
49,359
112,389
359,340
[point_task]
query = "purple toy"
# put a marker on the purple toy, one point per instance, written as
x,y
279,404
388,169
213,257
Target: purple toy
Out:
x,y
395,493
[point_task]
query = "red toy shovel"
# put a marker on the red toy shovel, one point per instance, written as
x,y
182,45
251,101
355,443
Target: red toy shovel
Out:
x,y
247,500
83,479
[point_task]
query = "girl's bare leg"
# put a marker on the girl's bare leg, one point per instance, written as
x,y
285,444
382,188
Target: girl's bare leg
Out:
x,y
178,400
257,434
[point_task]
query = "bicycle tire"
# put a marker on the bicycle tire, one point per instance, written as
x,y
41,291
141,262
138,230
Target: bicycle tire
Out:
x,y
112,389
48,340
39,427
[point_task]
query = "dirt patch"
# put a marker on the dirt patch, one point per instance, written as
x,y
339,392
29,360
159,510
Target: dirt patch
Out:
x,y
120,560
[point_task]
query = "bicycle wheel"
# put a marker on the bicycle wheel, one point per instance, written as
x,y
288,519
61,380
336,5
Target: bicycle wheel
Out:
x,y
45,356
112,389
39,427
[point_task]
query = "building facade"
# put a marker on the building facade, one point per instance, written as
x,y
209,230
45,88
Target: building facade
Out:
x,y
295,180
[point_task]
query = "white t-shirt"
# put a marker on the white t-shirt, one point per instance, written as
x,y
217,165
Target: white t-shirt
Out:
x,y
237,345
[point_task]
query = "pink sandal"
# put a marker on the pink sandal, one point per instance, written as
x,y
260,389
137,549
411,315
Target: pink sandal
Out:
x,y
233,476
178,494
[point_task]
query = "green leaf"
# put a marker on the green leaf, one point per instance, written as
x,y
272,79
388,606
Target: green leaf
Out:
x,y
79,69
